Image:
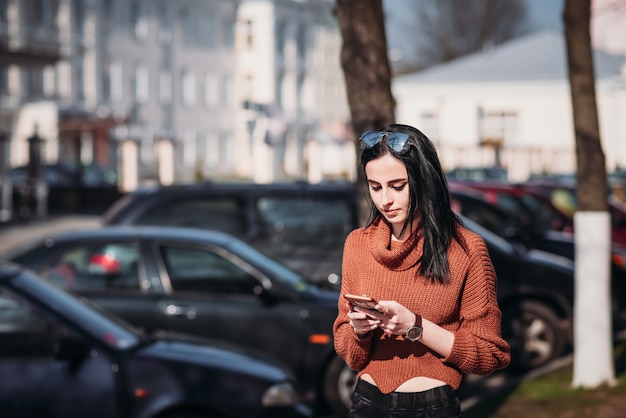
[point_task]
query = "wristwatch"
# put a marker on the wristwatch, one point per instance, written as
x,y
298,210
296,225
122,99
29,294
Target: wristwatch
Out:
x,y
414,332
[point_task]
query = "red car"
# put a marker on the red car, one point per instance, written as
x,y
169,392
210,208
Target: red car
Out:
x,y
563,198
546,206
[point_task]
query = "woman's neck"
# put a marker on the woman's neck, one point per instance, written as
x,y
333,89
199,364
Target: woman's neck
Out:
x,y
399,233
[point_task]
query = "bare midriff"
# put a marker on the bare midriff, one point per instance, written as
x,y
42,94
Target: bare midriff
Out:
x,y
414,384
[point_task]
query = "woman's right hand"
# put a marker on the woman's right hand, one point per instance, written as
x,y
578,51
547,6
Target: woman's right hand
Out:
x,y
360,320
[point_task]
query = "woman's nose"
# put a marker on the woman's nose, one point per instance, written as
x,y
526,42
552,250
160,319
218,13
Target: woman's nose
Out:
x,y
386,197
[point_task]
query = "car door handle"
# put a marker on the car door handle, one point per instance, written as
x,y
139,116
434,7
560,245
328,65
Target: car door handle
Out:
x,y
177,310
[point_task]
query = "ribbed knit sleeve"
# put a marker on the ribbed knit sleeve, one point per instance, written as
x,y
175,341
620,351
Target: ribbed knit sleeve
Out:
x,y
478,347
352,348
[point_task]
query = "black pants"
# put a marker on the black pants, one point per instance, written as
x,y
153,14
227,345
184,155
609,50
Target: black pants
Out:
x,y
439,402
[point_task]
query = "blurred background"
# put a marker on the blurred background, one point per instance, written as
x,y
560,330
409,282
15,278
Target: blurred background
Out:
x,y
111,95
241,107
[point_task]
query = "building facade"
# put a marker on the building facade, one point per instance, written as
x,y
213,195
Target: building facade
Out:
x,y
177,91
510,106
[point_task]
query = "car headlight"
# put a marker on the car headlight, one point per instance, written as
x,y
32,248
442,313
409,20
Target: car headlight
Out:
x,y
280,394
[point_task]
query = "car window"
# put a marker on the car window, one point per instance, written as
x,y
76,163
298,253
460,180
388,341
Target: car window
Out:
x,y
200,270
23,332
226,214
543,213
312,221
111,266
481,213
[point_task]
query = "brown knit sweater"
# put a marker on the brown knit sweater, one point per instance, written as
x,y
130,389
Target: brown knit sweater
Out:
x,y
374,265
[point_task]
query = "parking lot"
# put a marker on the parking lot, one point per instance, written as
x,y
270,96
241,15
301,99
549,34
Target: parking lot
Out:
x,y
473,390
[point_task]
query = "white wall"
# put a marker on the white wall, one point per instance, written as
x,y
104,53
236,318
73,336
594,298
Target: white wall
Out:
x,y
545,138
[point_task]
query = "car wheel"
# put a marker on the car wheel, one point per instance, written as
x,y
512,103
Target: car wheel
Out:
x,y
535,334
339,383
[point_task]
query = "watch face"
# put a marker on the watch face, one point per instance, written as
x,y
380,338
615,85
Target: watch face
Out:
x,y
414,333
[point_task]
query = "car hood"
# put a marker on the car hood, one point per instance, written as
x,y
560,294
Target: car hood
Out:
x,y
198,351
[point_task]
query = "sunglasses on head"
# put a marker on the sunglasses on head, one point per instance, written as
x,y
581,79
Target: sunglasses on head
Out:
x,y
398,142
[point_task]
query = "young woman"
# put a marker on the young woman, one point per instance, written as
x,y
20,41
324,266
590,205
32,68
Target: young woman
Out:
x,y
435,314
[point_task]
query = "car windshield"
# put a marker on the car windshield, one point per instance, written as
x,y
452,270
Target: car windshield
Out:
x,y
275,269
91,319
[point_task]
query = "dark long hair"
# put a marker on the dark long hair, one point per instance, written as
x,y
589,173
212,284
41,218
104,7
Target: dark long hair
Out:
x,y
428,194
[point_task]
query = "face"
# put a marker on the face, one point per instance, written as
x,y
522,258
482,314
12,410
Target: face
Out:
x,y
389,189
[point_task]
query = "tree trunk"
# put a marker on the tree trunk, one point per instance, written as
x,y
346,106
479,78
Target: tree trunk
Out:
x,y
366,70
593,357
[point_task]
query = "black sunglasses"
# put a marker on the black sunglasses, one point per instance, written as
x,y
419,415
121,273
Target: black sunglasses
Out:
x,y
398,142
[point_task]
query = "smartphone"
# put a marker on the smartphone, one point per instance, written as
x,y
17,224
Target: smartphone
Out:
x,y
361,301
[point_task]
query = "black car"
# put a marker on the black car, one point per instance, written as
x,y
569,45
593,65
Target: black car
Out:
x,y
536,296
206,283
517,227
302,225
61,357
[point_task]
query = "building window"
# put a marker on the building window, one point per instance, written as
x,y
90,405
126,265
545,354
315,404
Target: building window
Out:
x,y
300,92
206,31
498,128
49,81
189,148
228,147
249,34
212,149
211,90
301,42
4,78
166,57
189,88
106,83
248,86
4,15
229,91
33,82
115,13
107,17
167,119
280,80
429,126
165,24
281,38
139,20
78,10
78,78
117,81
186,23
141,84
228,33
165,87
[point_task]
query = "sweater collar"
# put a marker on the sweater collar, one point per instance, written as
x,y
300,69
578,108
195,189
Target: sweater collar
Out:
x,y
395,255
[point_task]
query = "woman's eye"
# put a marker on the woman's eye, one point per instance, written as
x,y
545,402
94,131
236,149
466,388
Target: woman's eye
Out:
x,y
399,188
375,188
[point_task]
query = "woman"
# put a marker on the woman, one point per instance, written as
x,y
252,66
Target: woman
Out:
x,y
436,314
